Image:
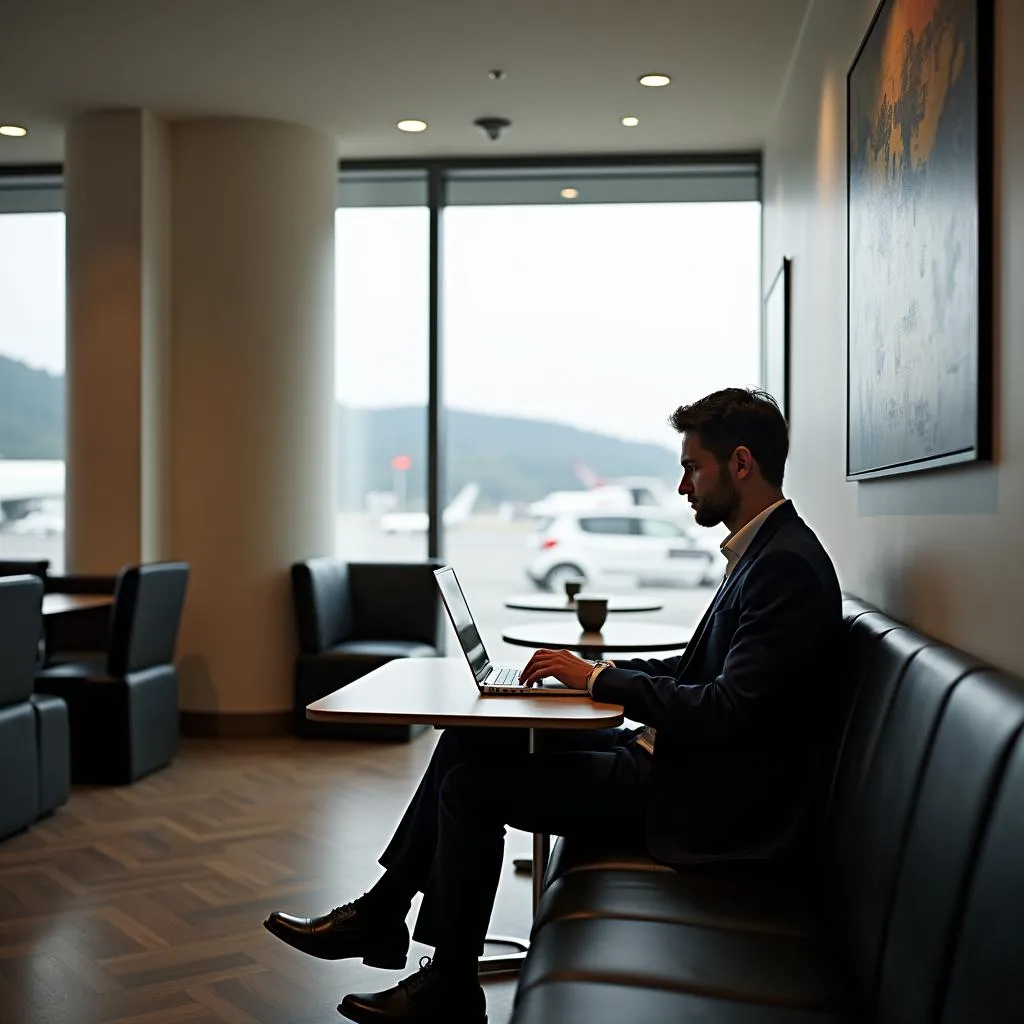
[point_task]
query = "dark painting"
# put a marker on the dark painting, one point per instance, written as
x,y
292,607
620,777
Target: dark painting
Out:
x,y
919,100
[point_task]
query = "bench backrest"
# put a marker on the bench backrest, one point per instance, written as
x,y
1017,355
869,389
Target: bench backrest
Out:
x,y
921,766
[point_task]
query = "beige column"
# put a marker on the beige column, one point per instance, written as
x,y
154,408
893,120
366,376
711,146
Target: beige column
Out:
x,y
252,406
116,201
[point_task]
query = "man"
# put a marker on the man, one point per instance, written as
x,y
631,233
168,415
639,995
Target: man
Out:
x,y
722,769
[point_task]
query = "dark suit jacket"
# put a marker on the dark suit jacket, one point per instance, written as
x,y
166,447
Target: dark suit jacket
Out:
x,y
740,716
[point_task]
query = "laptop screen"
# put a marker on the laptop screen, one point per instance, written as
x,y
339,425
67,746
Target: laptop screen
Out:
x,y
462,620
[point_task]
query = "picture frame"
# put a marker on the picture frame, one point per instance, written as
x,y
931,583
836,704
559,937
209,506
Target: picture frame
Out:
x,y
919,239
775,342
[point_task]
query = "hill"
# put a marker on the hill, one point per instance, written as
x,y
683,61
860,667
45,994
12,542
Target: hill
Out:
x,y
511,459
31,412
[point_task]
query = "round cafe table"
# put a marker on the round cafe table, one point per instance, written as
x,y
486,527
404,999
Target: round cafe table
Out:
x,y
558,603
614,637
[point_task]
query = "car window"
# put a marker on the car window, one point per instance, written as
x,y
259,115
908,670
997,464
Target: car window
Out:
x,y
543,524
642,496
618,525
661,528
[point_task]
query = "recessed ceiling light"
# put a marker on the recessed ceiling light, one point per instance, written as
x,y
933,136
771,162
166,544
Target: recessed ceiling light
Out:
x,y
411,125
570,193
654,81
630,122
14,130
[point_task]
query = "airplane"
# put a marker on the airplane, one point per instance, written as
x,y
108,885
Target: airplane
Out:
x,y
25,484
624,492
455,514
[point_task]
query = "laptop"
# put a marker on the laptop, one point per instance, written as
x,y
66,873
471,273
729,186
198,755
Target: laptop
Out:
x,y
499,680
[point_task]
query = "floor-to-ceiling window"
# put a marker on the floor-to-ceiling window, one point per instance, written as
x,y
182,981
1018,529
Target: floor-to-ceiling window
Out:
x,y
572,328
579,307
32,403
382,260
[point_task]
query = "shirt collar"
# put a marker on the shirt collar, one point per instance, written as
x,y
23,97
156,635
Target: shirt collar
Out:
x,y
736,543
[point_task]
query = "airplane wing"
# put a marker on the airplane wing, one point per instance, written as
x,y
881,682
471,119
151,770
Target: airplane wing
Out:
x,y
24,483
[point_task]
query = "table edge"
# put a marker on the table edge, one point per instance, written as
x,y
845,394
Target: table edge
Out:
x,y
612,718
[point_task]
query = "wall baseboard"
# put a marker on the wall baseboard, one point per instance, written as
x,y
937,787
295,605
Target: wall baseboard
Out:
x,y
216,725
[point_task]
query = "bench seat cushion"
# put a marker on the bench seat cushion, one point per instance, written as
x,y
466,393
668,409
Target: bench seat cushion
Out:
x,y
744,900
743,966
588,1002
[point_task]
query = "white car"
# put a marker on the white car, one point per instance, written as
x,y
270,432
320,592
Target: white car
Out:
x,y
607,547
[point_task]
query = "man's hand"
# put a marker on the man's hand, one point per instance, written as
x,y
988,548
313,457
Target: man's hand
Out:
x,y
565,667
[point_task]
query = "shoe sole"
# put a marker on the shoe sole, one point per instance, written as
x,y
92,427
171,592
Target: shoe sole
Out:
x,y
367,1020
388,960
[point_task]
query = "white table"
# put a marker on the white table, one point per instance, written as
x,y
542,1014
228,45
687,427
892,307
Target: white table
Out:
x,y
615,637
441,692
618,603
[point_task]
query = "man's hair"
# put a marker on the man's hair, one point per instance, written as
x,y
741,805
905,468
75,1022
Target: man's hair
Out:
x,y
727,419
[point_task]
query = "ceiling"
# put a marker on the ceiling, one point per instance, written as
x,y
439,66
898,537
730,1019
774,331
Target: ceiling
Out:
x,y
355,67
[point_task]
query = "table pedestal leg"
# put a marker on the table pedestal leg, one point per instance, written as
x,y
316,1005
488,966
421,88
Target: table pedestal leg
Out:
x,y
506,962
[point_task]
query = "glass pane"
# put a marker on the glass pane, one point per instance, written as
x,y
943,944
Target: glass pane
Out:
x,y
32,394
571,333
381,382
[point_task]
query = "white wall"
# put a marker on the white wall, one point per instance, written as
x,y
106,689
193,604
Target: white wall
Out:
x,y
943,551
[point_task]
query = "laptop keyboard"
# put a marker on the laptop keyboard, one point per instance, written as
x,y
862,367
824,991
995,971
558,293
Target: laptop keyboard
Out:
x,y
504,677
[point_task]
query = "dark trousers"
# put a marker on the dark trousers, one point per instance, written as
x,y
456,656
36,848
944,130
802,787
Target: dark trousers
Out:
x,y
450,841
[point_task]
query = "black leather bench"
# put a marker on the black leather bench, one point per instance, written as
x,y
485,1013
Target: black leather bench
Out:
x,y
909,908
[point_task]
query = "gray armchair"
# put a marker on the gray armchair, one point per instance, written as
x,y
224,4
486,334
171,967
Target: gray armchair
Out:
x,y
353,617
34,747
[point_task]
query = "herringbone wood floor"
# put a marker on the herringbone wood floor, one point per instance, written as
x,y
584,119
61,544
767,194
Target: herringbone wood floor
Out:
x,y
144,904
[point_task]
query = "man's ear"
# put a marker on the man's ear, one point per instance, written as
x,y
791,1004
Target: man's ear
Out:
x,y
744,461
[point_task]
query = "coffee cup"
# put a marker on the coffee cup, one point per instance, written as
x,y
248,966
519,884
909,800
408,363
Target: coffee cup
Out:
x,y
572,588
591,612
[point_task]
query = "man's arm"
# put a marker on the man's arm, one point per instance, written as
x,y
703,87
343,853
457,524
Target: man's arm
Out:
x,y
780,613
650,666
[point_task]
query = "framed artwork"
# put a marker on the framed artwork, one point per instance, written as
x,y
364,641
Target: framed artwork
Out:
x,y
775,343
919,215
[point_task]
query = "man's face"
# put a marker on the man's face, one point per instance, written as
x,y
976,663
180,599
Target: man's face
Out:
x,y
708,487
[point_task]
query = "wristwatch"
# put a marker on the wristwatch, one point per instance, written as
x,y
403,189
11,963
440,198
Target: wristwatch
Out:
x,y
595,672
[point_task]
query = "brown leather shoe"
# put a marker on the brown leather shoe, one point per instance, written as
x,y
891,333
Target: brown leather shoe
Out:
x,y
353,930
426,997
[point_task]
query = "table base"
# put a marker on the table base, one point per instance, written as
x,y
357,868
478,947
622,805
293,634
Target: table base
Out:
x,y
499,963
502,963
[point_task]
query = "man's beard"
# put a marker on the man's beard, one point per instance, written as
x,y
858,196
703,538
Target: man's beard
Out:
x,y
719,505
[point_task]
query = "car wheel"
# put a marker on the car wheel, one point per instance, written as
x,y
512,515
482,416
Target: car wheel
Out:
x,y
557,576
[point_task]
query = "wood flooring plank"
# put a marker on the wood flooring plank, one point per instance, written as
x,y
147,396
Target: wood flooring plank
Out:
x,y
224,1009
144,904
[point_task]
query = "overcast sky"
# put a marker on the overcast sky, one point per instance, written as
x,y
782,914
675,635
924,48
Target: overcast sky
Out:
x,y
604,317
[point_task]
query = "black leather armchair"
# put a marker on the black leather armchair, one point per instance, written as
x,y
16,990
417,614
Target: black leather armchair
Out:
x,y
353,617
34,762
123,705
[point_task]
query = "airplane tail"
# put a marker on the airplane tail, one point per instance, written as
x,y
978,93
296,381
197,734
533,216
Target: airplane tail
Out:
x,y
461,505
586,475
